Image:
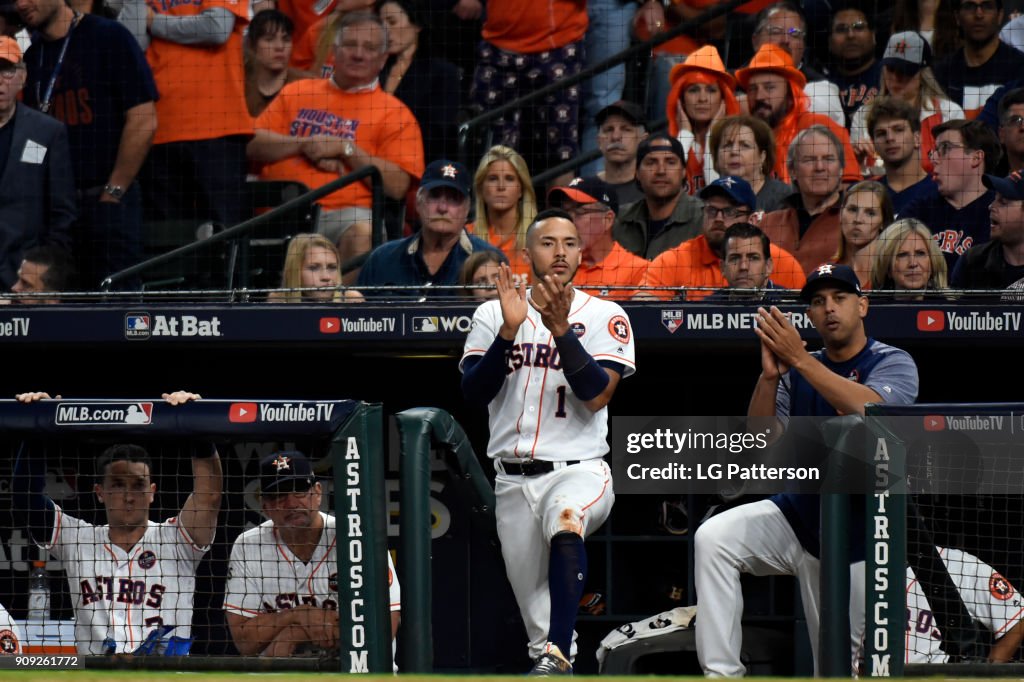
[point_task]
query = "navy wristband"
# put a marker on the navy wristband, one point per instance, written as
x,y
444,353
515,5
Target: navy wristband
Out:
x,y
586,378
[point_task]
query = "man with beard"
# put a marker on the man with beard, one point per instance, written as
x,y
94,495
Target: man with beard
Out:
x,y
854,68
808,227
775,94
433,256
973,73
548,438
957,210
895,130
785,25
667,216
698,262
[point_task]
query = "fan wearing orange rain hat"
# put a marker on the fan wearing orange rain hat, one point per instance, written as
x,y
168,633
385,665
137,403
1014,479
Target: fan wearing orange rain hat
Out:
x,y
701,91
775,94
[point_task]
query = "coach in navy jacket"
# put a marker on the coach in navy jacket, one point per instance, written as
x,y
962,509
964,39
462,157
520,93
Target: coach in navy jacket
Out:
x,y
37,187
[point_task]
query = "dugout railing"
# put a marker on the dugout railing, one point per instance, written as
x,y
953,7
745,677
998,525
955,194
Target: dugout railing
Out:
x,y
944,475
344,440
238,236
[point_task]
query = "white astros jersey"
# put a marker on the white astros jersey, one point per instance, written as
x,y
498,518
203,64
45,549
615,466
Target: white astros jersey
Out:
x,y
121,596
536,414
264,576
988,596
11,639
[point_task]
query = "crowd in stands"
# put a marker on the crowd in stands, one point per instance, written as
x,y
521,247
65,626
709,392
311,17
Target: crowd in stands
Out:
x,y
824,130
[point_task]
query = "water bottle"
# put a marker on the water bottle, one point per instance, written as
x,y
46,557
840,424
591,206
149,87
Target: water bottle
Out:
x,y
38,592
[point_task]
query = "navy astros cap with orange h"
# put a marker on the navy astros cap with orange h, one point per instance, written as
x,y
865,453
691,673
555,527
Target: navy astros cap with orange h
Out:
x,y
735,188
286,471
445,173
828,274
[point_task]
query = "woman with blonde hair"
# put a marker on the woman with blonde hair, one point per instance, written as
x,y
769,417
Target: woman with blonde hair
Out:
x,y
311,261
701,92
908,259
865,210
505,205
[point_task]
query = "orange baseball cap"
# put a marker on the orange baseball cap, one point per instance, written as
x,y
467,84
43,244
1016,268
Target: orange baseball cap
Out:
x,y
9,50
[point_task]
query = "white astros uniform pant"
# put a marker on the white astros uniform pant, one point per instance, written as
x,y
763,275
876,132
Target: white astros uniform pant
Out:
x,y
533,509
755,538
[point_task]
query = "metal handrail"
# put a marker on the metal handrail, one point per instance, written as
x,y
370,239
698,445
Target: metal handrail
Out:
x,y
243,228
616,59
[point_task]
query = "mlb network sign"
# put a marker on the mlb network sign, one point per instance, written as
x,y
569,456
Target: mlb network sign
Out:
x,y
98,414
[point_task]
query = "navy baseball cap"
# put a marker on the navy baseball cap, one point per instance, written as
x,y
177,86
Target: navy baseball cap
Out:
x,y
829,274
592,190
735,188
660,143
633,113
445,173
286,471
1011,187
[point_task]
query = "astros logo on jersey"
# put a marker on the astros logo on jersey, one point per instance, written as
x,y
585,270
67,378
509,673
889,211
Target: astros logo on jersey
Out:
x,y
1000,587
618,327
8,642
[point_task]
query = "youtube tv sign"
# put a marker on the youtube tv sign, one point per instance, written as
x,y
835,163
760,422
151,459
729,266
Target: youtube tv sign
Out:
x,y
931,321
934,422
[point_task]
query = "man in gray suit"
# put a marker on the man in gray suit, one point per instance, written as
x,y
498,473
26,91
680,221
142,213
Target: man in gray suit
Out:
x,y
37,187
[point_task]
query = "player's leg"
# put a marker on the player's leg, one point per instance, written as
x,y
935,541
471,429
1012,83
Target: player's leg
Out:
x,y
753,538
575,502
526,557
808,575
857,611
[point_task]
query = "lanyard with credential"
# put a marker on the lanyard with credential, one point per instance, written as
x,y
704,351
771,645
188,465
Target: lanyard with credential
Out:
x,y
47,100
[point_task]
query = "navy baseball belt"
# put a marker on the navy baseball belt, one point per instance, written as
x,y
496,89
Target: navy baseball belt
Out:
x,y
533,467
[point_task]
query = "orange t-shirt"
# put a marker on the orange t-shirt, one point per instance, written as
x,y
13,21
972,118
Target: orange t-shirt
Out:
x,y
304,52
694,264
202,87
374,120
305,13
532,26
516,260
619,268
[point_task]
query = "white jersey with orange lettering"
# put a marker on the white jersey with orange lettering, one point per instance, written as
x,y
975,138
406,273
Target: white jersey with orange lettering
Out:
x,y
535,414
264,576
548,445
120,596
11,639
988,596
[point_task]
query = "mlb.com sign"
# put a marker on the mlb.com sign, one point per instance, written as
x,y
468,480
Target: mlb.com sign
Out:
x,y
97,414
432,324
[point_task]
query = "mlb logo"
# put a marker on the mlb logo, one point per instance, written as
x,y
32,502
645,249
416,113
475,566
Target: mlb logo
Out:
x,y
137,326
672,319
242,413
425,325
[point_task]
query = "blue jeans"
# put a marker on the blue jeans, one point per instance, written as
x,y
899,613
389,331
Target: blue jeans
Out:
x,y
607,35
